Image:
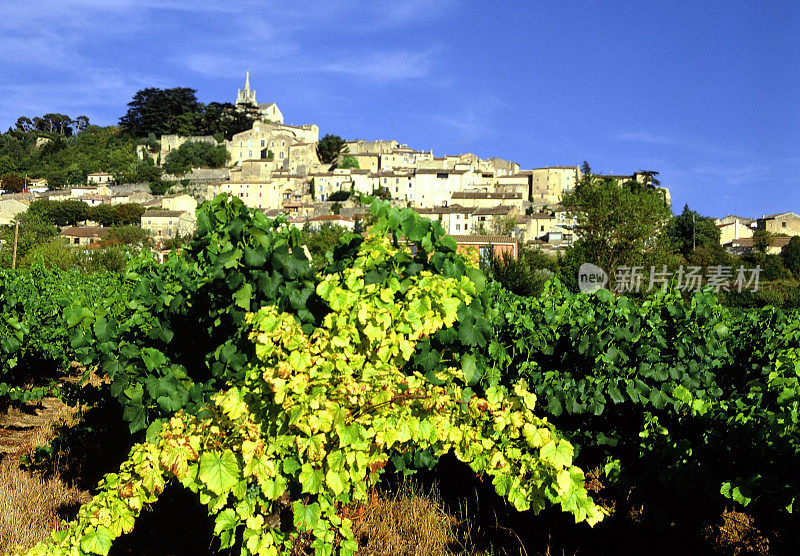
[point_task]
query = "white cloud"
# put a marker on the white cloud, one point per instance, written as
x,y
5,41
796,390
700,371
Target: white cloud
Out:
x,y
384,66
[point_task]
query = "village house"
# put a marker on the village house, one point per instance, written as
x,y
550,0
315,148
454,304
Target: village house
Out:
x,y
747,245
786,223
100,178
487,199
81,236
180,202
536,226
732,228
549,184
167,224
94,189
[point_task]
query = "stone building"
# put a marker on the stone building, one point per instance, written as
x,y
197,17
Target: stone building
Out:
x,y
733,228
84,235
270,141
786,223
488,199
549,184
100,178
167,224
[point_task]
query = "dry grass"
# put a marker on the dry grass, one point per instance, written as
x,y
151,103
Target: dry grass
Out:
x,y
408,522
31,506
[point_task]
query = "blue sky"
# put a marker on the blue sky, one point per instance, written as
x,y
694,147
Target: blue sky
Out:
x,y
704,92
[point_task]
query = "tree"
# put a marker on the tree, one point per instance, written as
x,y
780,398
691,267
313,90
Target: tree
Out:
x,y
761,240
689,230
162,111
585,169
128,214
195,154
791,256
54,252
349,161
339,196
330,147
147,171
159,186
102,214
33,230
60,213
13,183
80,123
131,236
223,118
618,224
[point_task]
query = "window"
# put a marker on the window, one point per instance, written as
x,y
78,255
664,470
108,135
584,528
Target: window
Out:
x,y
541,228
783,224
262,143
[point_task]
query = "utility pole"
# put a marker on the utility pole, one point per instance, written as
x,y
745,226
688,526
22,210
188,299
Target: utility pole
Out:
x,y
14,256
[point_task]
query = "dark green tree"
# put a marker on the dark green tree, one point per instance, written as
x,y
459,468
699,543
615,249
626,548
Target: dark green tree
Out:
x,y
128,214
162,111
689,230
105,215
13,183
330,147
618,224
791,256
195,154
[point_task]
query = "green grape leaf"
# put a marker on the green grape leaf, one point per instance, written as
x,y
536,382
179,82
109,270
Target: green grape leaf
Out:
x,y
219,472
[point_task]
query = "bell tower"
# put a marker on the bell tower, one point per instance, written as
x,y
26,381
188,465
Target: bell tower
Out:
x,y
246,96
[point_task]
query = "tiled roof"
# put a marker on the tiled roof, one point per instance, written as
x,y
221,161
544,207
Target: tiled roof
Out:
x,y
476,195
162,213
85,231
494,210
776,215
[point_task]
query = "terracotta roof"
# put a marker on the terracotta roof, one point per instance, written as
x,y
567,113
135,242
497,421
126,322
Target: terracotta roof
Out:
x,y
776,215
494,210
779,241
484,239
446,210
475,195
163,213
78,231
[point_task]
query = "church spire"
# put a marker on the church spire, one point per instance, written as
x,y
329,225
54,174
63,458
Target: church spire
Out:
x,y
247,81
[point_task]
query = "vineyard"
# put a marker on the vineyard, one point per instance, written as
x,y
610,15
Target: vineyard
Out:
x,y
280,393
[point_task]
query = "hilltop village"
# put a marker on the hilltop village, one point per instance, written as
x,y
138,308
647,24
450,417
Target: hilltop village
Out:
x,y
275,167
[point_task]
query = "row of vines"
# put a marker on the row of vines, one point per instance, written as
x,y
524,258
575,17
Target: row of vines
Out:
x,y
268,387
